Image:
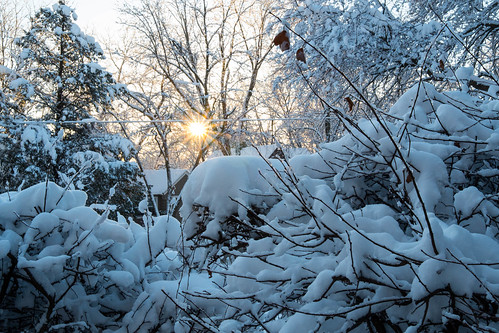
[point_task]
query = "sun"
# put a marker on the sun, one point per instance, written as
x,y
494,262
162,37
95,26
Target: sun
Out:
x,y
198,128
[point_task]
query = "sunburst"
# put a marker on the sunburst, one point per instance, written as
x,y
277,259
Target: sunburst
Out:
x,y
198,128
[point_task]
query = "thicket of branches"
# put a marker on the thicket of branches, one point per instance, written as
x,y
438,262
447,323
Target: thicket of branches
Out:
x,y
192,60
391,227
383,47
67,268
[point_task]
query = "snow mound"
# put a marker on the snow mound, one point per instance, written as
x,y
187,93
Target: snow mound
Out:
x,y
225,186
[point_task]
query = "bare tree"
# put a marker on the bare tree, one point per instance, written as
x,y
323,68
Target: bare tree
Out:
x,y
11,19
207,57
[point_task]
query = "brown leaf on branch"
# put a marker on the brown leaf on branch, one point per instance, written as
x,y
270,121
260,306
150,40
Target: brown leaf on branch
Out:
x,y
282,40
409,178
300,55
350,103
441,65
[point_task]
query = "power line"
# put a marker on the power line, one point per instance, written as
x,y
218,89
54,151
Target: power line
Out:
x,y
96,121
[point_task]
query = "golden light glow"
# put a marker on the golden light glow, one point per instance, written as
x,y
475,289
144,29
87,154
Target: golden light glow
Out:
x,y
198,128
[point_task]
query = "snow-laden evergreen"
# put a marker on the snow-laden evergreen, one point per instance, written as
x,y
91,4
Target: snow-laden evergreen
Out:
x,y
58,80
59,74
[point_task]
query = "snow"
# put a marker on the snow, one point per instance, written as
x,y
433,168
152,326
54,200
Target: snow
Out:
x,y
299,323
5,70
468,200
57,240
41,225
4,248
63,8
94,67
430,177
112,230
121,278
143,206
225,185
75,29
158,179
15,84
464,73
230,326
43,264
320,286
430,27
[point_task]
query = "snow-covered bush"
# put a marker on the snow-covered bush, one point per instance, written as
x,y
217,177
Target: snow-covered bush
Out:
x,y
216,201
64,267
392,227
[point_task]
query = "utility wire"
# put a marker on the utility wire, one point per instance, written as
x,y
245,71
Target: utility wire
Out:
x,y
96,121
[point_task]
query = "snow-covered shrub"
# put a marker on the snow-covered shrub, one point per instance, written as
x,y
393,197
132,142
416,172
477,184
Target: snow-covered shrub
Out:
x,y
64,267
392,227
216,201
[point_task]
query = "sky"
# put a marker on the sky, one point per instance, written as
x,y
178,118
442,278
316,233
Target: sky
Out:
x,y
96,17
